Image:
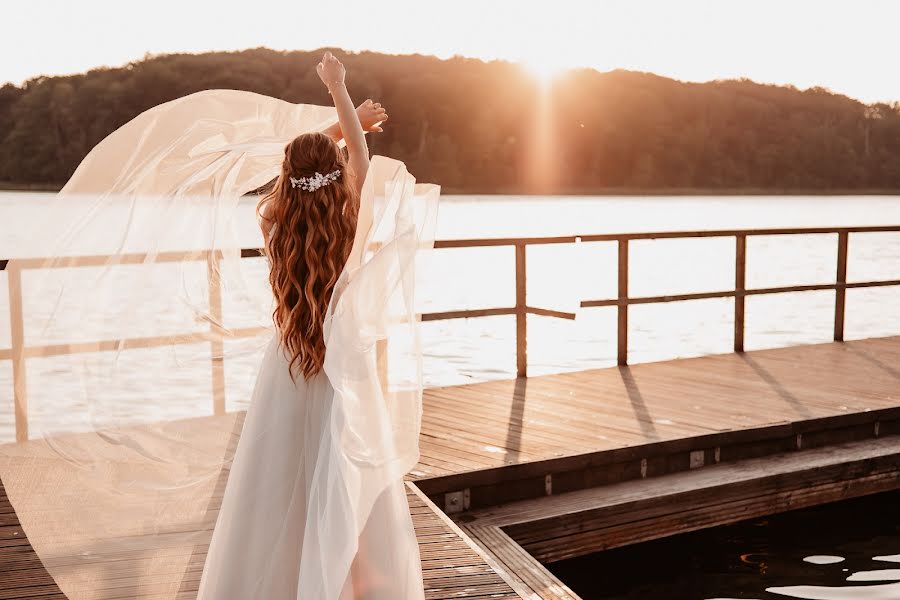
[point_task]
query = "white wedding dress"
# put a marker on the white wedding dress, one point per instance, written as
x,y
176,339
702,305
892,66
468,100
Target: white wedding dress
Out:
x,y
118,483
287,446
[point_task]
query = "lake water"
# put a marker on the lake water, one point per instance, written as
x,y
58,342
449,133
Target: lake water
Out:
x,y
844,551
466,350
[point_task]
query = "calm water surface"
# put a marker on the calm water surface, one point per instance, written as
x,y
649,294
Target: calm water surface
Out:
x,y
848,550
461,350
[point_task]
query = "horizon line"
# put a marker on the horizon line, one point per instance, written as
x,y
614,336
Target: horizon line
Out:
x,y
149,55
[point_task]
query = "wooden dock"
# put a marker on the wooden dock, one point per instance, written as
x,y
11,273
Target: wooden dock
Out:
x,y
452,565
547,468
559,465
764,398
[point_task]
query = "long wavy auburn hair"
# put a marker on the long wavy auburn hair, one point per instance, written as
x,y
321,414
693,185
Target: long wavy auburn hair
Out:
x,y
310,237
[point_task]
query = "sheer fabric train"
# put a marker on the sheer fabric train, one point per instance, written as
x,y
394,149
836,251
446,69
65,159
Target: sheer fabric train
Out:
x,y
119,470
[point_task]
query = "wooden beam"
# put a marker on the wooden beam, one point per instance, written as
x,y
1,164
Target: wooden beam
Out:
x,y
622,344
840,292
103,260
468,314
132,343
740,275
815,287
549,312
654,235
521,313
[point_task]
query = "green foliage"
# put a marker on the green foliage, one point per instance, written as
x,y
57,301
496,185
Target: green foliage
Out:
x,y
486,127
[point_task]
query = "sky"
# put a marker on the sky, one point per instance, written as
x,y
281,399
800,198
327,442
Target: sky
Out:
x,y
848,46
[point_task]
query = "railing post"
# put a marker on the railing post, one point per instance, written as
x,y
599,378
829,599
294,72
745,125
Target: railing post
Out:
x,y
840,292
740,285
17,335
622,345
521,313
217,348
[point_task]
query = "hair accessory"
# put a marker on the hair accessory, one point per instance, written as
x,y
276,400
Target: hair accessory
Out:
x,y
314,182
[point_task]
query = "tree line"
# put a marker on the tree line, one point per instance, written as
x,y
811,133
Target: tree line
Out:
x,y
490,127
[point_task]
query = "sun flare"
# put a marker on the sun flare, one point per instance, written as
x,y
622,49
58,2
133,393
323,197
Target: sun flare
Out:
x,y
543,68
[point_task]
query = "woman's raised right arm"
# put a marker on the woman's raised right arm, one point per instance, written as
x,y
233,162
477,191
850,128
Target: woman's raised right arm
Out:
x,y
332,72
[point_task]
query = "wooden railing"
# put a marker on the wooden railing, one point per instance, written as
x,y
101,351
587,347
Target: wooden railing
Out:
x,y
18,352
622,301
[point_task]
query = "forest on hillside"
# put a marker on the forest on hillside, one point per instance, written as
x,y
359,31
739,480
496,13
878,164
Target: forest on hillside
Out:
x,y
485,127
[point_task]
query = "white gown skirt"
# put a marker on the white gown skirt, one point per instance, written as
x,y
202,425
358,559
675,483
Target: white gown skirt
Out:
x,y
268,525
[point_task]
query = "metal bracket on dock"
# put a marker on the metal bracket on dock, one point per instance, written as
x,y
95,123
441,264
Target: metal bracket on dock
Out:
x,y
698,458
455,502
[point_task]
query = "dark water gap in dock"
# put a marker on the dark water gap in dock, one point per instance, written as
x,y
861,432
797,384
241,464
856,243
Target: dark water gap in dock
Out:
x,y
849,546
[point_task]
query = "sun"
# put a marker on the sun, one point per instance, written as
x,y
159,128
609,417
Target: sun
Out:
x,y
545,68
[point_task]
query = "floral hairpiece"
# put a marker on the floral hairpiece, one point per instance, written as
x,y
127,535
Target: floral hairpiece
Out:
x,y
314,182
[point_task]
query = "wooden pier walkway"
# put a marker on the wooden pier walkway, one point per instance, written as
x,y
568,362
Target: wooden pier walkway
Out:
x,y
539,448
474,429
452,566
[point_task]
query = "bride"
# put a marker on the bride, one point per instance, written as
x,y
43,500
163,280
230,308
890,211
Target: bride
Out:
x,y
274,538
122,488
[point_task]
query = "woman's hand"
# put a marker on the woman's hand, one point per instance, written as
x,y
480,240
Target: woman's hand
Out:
x,y
330,70
371,115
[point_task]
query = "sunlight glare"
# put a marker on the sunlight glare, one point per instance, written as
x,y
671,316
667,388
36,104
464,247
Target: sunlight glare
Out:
x,y
544,68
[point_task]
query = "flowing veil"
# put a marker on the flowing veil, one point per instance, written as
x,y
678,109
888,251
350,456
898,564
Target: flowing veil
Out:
x,y
139,316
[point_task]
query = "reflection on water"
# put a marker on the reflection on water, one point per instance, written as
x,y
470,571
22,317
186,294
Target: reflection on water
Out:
x,y
846,550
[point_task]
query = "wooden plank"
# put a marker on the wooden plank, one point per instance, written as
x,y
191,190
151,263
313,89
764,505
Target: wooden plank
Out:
x,y
538,582
497,580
